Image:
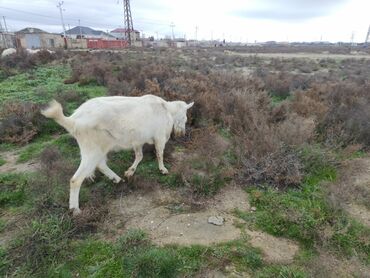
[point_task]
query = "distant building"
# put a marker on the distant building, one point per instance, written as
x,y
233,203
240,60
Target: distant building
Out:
x,y
36,38
88,33
120,33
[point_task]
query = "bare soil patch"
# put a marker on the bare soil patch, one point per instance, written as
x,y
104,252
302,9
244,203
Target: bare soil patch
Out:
x,y
167,220
11,164
352,192
275,250
328,265
304,55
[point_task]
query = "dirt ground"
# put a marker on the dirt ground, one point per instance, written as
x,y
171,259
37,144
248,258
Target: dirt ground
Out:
x,y
353,189
11,164
354,55
162,215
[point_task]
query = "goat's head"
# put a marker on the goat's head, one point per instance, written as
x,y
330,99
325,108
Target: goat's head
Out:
x,y
180,118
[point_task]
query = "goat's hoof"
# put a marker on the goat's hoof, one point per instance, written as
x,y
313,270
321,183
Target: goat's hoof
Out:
x,y
164,171
76,211
117,180
129,173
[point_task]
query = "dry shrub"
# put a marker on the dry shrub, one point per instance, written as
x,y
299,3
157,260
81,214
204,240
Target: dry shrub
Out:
x,y
20,122
203,168
42,57
119,88
278,84
247,116
347,120
280,169
24,61
307,105
296,130
260,140
55,167
92,70
56,171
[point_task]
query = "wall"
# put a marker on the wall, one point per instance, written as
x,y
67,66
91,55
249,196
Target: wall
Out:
x,y
41,40
77,43
99,43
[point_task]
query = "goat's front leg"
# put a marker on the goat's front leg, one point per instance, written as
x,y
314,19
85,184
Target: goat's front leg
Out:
x,y
159,149
138,158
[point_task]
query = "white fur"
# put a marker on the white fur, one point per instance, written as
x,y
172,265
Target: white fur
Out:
x,y
32,51
8,51
113,123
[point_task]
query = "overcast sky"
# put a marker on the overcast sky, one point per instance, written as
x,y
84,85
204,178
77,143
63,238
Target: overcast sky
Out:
x,y
233,20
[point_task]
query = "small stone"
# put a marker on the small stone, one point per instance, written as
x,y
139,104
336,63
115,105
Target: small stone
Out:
x,y
253,208
188,225
216,220
181,234
151,222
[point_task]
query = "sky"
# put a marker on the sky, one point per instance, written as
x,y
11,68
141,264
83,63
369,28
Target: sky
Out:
x,y
233,20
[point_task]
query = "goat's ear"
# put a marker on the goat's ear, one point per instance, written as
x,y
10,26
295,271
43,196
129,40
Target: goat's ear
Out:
x,y
190,105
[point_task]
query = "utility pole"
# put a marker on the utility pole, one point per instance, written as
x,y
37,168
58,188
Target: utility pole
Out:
x,y
173,34
3,36
367,36
196,33
59,6
79,26
6,27
129,27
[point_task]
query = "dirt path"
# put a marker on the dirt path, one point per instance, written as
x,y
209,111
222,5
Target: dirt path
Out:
x,y
11,164
353,189
304,55
162,215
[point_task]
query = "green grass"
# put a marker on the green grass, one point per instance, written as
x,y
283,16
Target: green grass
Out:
x,y
56,254
41,84
65,143
282,272
275,99
12,190
302,214
133,255
2,161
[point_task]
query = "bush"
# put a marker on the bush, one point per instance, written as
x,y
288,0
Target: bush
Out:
x,y
347,119
20,122
279,169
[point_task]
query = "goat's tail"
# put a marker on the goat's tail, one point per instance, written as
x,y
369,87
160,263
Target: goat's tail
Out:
x,y
55,111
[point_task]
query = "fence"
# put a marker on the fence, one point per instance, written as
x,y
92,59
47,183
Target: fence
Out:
x,y
100,43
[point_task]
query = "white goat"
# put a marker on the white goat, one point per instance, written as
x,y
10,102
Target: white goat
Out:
x,y
112,123
8,51
32,51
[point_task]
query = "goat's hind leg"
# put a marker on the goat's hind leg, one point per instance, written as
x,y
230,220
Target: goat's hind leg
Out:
x,y
87,167
103,167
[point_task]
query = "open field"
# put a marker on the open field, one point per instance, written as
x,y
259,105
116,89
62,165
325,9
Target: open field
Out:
x,y
276,145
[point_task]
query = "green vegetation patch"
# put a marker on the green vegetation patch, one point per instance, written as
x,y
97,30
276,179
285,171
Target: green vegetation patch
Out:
x,y
12,189
2,161
66,144
41,84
